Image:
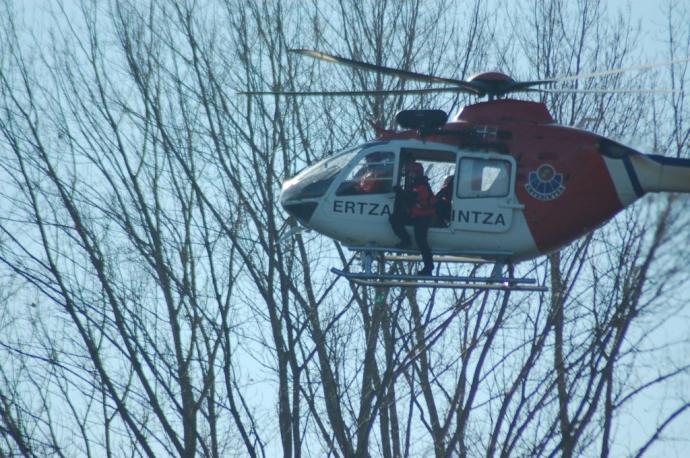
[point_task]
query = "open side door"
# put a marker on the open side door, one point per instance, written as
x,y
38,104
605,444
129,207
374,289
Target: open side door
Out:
x,y
484,198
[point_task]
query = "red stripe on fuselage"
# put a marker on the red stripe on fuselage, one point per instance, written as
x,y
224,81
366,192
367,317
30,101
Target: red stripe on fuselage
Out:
x,y
589,198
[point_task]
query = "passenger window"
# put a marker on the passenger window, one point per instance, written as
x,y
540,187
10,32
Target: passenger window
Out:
x,y
483,178
372,175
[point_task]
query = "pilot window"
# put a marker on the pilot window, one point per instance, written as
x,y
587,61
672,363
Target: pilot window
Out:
x,y
372,175
483,178
314,181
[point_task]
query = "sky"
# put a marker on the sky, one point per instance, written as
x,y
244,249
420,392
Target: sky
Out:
x,y
652,20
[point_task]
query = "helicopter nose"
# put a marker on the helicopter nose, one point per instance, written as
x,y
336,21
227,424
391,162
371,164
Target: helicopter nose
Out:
x,y
297,200
301,211
301,194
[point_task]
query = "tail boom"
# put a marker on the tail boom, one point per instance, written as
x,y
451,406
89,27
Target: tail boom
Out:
x,y
661,174
636,174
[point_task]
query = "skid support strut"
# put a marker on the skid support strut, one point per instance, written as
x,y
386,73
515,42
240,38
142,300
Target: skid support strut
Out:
x,y
495,281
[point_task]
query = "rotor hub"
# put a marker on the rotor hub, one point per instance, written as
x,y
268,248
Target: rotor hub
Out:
x,y
491,77
492,84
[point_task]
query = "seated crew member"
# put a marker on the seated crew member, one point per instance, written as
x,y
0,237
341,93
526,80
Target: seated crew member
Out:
x,y
444,200
370,182
414,206
375,177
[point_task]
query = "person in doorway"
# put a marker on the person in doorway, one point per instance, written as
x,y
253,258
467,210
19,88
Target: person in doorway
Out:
x,y
444,200
414,205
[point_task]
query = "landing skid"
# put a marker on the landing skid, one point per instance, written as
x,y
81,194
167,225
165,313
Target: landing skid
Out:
x,y
440,281
496,281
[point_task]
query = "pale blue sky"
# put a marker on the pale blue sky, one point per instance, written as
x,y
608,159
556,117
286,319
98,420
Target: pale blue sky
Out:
x,y
652,19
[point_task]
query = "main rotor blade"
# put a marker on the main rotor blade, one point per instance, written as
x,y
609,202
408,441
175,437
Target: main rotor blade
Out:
x,y
434,90
619,70
607,91
404,74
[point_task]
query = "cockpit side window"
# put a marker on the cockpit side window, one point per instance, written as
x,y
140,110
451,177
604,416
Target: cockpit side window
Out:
x,y
372,175
315,180
483,178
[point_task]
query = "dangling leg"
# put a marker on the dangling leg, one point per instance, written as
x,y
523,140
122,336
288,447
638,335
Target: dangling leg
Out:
x,y
398,220
421,230
367,259
497,271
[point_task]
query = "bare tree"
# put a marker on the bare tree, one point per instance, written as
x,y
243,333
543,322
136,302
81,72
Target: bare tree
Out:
x,y
170,312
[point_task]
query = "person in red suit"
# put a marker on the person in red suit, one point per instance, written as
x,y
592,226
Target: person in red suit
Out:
x,y
414,205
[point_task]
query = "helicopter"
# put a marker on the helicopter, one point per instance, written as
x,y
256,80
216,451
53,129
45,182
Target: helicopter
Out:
x,y
522,185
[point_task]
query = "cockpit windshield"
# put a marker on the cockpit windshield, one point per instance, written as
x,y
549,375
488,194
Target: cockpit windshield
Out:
x,y
314,181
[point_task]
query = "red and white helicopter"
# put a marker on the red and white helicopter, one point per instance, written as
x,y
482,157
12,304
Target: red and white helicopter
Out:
x,y
523,185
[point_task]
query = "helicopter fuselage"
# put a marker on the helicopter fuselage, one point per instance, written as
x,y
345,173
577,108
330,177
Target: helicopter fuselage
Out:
x,y
522,184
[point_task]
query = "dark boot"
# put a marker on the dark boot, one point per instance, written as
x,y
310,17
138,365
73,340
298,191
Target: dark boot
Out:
x,y
426,271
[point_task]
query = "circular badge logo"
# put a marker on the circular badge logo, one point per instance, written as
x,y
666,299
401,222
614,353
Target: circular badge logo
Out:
x,y
545,183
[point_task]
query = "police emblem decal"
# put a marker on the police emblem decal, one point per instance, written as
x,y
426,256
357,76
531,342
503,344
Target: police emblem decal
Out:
x,y
545,183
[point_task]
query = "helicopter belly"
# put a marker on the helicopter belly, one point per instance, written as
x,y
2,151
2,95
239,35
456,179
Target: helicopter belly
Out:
x,y
356,220
365,221
516,240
